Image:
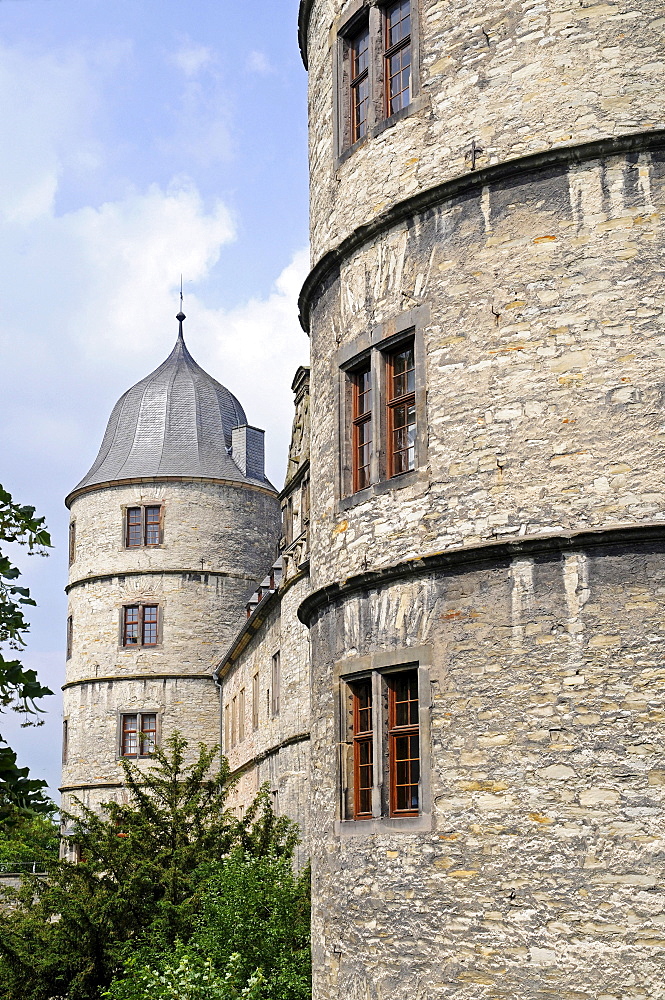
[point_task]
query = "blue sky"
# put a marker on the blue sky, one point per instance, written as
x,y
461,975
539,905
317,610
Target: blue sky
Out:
x,y
141,139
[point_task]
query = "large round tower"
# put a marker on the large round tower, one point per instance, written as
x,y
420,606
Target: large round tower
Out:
x,y
170,531
488,531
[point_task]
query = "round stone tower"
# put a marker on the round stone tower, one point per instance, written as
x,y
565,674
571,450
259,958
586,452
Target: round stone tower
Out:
x,y
486,316
170,531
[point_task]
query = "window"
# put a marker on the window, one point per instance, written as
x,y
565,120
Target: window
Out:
x,y
359,54
70,636
255,701
65,740
362,427
241,715
276,681
363,749
403,743
143,526
227,727
234,721
397,54
287,521
72,541
381,755
376,69
140,625
138,734
401,371
385,411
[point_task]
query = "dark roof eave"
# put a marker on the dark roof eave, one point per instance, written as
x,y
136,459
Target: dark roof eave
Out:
x,y
237,483
303,24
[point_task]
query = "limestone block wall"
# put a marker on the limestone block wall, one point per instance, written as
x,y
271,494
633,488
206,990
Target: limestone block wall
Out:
x,y
541,870
498,81
538,308
277,750
217,541
92,771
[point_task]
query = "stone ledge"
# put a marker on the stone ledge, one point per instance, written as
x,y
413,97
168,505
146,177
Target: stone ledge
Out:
x,y
553,543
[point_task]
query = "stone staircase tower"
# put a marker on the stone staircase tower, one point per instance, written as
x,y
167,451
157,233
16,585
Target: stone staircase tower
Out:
x,y
170,532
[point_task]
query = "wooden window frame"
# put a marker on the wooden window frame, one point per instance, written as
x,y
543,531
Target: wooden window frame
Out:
x,y
397,732
241,715
275,684
227,727
143,525
361,419
358,78
140,733
256,695
141,625
407,399
389,51
70,636
234,721
362,739
72,542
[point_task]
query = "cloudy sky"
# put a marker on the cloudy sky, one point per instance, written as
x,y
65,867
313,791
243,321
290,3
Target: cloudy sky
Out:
x,y
142,139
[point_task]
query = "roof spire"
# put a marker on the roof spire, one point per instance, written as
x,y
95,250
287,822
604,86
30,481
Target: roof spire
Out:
x,y
181,316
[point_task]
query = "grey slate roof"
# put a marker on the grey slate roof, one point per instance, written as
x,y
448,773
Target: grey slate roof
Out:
x,y
177,421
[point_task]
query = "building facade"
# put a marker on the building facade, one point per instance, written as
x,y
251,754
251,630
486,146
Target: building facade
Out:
x,y
485,309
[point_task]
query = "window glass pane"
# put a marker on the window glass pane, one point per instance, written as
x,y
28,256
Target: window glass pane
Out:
x,y
363,384
129,746
134,527
399,79
131,626
152,525
404,373
398,22
150,625
360,98
360,53
148,733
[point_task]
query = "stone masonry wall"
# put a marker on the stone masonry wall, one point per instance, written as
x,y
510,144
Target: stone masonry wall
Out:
x,y
217,541
540,307
277,751
541,876
514,78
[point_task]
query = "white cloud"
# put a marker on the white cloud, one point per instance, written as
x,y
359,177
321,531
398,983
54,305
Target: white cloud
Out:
x,y
191,59
258,62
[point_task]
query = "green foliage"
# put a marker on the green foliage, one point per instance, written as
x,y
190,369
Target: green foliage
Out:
x,y
139,888
28,840
186,975
19,688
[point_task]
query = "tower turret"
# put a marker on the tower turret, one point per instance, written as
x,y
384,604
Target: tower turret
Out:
x,y
170,531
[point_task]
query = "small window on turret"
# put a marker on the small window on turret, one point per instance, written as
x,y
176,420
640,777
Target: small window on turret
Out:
x,y
143,526
140,625
138,734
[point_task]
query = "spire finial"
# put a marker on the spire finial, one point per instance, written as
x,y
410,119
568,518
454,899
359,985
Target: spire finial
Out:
x,y
181,316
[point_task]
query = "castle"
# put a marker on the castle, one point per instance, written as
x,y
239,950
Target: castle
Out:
x,y
452,676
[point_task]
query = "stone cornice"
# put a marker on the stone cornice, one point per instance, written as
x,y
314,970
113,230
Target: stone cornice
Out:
x,y
551,544
154,571
547,159
110,678
75,494
253,761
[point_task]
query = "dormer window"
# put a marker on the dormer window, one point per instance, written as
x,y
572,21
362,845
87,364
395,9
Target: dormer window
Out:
x,y
143,526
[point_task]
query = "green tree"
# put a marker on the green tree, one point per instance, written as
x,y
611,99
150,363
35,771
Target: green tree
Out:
x,y
19,688
29,840
139,882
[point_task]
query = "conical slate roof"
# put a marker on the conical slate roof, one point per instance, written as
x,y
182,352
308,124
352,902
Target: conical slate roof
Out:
x,y
177,421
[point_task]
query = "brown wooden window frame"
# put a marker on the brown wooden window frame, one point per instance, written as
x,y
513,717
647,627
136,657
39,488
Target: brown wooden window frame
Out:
x,y
392,49
399,733
361,424
141,733
359,80
256,695
72,542
145,624
241,715
70,636
396,401
363,748
139,529
275,683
